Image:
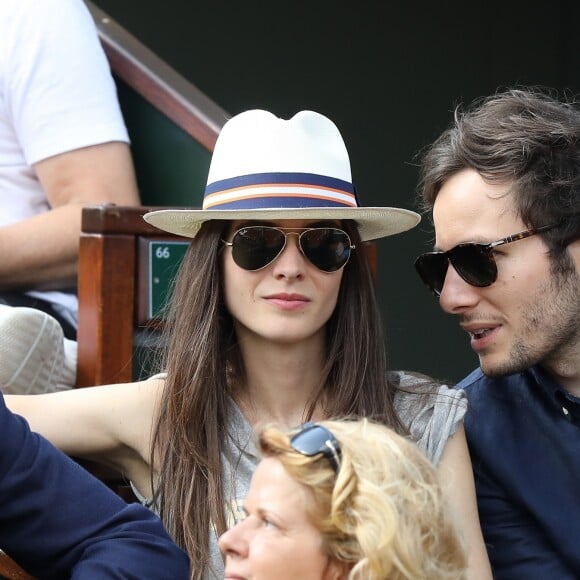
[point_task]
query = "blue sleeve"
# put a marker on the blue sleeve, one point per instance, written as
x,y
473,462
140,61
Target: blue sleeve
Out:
x,y
56,520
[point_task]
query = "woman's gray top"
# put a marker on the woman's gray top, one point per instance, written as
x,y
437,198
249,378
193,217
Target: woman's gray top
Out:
x,y
430,412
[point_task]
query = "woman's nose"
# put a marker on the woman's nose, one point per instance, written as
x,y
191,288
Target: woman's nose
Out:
x,y
291,263
233,542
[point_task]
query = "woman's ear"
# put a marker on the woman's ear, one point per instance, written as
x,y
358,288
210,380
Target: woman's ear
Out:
x,y
336,570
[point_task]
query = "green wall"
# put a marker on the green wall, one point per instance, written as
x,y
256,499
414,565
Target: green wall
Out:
x,y
389,74
171,167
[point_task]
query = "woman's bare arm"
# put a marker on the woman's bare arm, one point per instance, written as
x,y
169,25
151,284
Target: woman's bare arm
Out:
x,y
111,424
456,478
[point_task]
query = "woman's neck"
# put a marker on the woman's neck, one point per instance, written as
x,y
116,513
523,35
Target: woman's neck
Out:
x,y
281,380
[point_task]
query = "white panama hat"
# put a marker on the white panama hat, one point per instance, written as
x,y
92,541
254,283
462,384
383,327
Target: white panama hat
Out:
x,y
266,168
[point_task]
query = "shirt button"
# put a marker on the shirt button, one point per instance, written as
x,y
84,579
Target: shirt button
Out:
x,y
565,411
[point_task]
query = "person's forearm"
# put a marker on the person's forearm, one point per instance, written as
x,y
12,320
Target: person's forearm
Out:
x,y
41,252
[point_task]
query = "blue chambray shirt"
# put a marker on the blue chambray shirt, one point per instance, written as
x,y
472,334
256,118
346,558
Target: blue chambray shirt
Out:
x,y
523,432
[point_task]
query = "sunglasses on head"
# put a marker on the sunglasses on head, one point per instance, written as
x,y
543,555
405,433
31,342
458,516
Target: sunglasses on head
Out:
x,y
314,439
254,247
475,263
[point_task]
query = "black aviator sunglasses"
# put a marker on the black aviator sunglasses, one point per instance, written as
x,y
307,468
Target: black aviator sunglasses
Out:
x,y
254,247
475,263
314,439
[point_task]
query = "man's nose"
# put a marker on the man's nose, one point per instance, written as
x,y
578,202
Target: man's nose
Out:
x,y
457,295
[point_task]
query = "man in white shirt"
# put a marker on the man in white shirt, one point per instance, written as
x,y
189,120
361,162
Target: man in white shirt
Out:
x,y
63,144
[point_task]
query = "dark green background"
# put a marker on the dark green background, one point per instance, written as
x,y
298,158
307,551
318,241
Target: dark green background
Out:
x,y
389,74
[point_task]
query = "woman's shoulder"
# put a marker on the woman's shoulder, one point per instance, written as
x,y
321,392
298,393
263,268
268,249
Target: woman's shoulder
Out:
x,y
414,384
430,410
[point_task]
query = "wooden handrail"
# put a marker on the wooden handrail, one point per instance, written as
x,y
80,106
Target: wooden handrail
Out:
x,y
158,83
11,570
114,219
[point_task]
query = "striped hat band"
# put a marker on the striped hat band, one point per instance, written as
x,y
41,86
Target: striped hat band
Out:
x,y
279,190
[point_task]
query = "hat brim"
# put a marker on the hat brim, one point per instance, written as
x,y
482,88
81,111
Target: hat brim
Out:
x,y
372,222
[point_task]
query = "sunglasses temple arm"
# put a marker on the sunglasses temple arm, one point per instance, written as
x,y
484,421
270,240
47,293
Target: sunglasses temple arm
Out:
x,y
335,455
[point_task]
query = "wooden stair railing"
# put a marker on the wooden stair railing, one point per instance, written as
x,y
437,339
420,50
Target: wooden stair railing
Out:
x,y
161,85
10,570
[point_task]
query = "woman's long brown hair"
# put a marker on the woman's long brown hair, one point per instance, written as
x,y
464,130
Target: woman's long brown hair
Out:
x,y
201,359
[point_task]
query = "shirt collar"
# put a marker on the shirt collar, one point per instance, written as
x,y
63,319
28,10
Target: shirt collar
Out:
x,y
567,404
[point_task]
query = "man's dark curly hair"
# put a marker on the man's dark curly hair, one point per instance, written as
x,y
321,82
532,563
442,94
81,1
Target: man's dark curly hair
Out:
x,y
527,139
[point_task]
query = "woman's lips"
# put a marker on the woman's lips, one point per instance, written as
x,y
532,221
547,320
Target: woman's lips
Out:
x,y
285,301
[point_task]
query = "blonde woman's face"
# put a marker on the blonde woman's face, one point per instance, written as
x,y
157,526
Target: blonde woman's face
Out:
x,y
276,540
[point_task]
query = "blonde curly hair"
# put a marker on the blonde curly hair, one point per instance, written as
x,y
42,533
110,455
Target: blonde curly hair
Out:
x,y
383,514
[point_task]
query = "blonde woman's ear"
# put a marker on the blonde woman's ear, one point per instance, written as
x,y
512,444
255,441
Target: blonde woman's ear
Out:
x,y
336,570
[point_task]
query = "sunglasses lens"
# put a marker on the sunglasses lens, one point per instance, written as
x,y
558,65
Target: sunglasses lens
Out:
x,y
432,268
315,439
326,248
255,247
475,264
